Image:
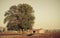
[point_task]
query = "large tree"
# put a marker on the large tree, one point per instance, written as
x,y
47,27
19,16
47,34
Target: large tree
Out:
x,y
19,17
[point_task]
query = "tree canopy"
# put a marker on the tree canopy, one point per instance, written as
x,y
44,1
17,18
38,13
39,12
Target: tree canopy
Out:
x,y
19,17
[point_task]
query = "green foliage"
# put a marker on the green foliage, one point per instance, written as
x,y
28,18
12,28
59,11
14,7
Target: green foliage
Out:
x,y
19,17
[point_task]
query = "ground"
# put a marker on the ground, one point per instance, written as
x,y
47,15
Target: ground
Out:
x,y
17,35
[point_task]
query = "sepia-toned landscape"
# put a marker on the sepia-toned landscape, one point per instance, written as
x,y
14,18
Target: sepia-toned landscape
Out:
x,y
29,18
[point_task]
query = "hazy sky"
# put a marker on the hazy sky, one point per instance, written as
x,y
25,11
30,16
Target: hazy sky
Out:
x,y
47,12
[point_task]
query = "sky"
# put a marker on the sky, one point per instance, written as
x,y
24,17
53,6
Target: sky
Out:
x,y
47,12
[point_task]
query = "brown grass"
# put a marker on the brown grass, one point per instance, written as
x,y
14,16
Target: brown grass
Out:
x,y
17,35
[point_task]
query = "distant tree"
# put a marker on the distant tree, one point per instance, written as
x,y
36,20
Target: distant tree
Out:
x,y
19,17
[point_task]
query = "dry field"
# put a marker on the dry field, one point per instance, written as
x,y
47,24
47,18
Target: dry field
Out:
x,y
17,35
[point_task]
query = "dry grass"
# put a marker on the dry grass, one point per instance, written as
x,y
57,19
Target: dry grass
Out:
x,y
17,35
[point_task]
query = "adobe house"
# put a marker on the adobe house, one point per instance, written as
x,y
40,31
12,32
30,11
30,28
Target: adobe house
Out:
x,y
42,30
38,31
34,31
